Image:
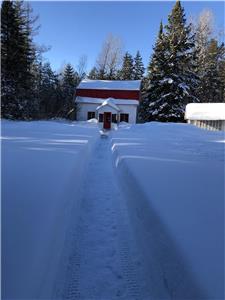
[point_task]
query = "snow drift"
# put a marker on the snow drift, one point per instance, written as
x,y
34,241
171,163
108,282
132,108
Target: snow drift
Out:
x,y
173,179
42,167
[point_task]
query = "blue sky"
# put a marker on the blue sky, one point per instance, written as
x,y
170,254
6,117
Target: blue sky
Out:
x,y
73,29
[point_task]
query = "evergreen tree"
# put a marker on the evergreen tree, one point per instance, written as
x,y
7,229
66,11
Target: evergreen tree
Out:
x,y
93,73
127,70
222,78
68,87
138,67
18,53
8,49
143,108
211,85
50,93
181,63
172,70
153,87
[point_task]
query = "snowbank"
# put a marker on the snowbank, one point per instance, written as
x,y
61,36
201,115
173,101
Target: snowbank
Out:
x,y
173,177
205,111
42,167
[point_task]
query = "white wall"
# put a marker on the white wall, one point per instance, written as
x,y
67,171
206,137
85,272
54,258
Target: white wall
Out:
x,y
84,108
131,110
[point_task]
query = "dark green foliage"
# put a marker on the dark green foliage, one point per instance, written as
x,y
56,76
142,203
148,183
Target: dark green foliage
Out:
x,y
143,111
153,88
221,71
8,89
69,82
49,93
30,89
18,55
172,71
138,67
93,74
211,73
127,70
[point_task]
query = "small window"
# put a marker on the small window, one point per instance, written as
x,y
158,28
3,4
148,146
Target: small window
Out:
x,y
91,115
124,118
114,118
100,118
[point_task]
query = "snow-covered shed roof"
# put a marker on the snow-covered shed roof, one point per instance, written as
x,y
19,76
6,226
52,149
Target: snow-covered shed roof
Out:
x,y
108,102
129,85
205,111
101,100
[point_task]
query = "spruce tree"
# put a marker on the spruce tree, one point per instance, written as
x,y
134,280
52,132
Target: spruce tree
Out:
x,y
50,98
210,60
127,70
172,70
211,82
138,67
93,74
68,87
221,70
18,52
152,104
181,64
8,59
143,108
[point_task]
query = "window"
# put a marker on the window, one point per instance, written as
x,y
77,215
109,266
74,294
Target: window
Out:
x,y
114,118
100,118
91,115
124,118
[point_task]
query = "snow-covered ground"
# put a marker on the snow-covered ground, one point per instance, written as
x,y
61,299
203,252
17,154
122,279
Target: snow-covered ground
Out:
x,y
135,215
173,179
42,169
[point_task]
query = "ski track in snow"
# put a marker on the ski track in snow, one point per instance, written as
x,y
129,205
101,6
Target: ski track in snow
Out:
x,y
103,261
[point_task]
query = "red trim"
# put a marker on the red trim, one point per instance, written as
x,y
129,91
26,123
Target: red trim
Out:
x,y
117,94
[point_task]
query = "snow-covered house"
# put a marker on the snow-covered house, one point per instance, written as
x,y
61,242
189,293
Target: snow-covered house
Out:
x,y
210,116
109,101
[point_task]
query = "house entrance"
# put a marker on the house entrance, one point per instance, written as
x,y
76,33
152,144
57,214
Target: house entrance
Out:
x,y
107,120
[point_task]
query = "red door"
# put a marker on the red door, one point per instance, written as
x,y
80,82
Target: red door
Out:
x,y
107,120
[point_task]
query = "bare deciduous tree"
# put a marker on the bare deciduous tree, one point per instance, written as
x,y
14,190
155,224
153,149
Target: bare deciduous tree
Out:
x,y
82,66
204,28
110,57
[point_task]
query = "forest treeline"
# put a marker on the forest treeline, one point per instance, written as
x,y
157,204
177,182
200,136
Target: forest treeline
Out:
x,y
187,65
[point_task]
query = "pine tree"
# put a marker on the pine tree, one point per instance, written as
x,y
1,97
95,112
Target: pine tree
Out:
x,y
181,64
138,67
18,52
211,83
93,74
151,106
127,70
143,108
68,87
221,71
8,50
50,97
172,70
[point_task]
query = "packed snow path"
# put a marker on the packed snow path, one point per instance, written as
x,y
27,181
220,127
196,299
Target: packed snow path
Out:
x,y
103,260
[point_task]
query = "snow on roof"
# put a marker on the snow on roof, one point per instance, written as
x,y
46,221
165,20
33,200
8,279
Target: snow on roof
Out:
x,y
110,84
108,102
101,100
205,111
